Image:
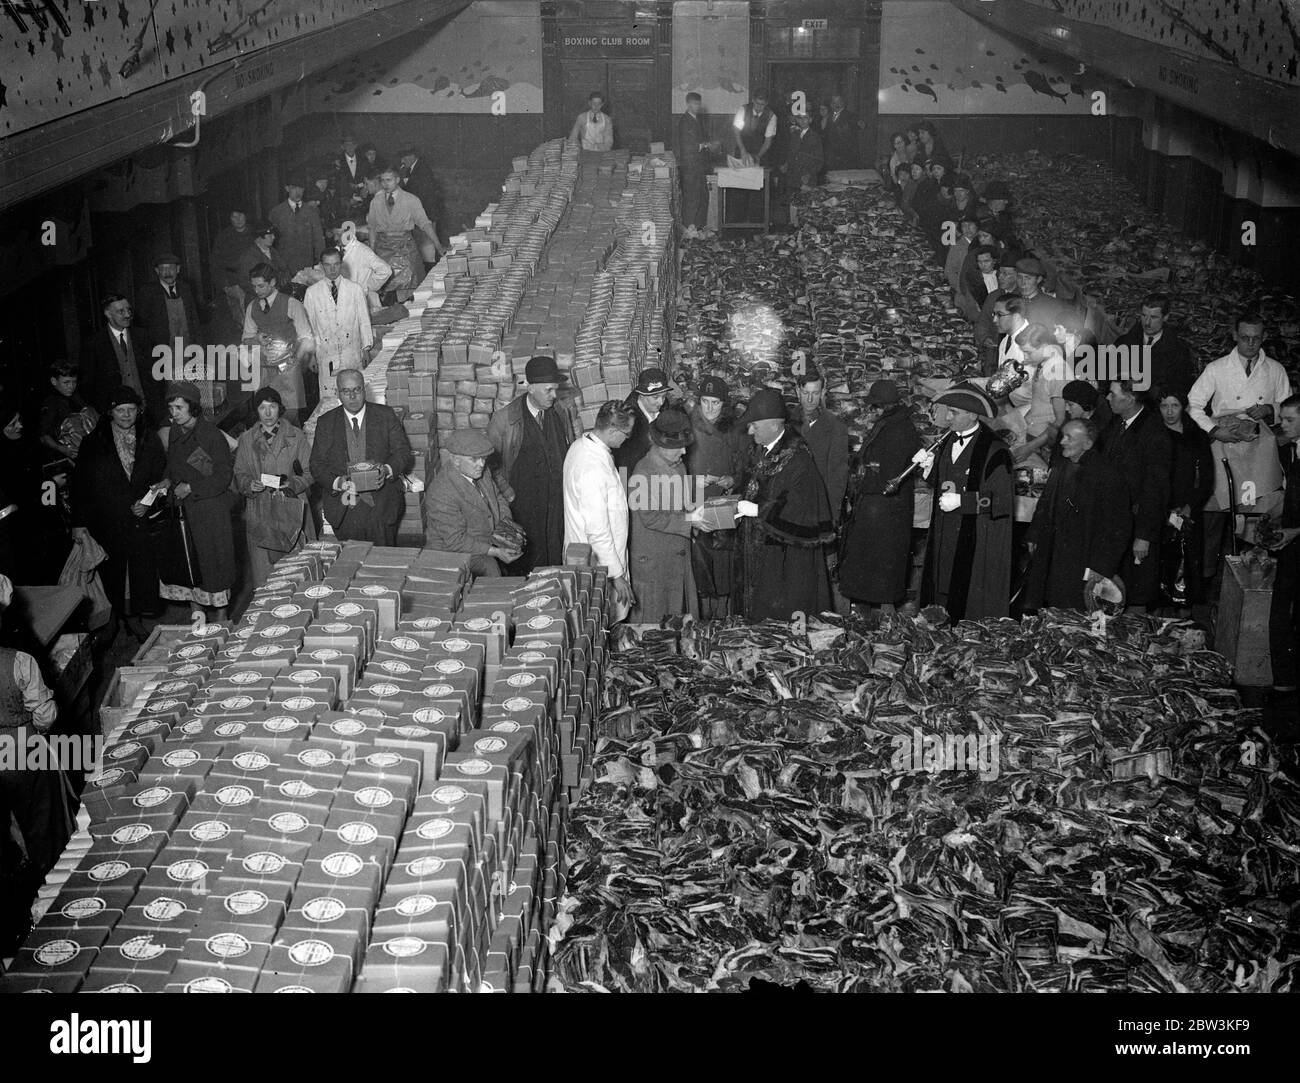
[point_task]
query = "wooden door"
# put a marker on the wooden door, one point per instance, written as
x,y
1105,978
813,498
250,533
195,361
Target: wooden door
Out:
x,y
632,103
581,78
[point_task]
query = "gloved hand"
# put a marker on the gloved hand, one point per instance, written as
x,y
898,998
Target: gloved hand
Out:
x,y
746,509
925,459
949,501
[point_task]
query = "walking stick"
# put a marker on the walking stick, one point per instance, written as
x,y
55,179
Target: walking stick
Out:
x,y
185,545
1232,504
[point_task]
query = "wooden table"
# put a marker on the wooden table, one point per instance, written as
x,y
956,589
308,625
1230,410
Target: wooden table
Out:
x,y
767,205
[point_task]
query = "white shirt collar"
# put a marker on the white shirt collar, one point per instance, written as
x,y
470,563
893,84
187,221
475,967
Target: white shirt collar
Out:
x,y
532,408
1129,422
360,415
968,433
767,448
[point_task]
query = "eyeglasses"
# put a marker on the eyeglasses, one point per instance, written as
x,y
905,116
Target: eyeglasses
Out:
x,y
351,390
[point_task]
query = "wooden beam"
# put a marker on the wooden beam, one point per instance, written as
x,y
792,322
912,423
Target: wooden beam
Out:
x,y
53,154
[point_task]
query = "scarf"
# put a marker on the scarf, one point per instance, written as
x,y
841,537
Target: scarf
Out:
x,y
124,442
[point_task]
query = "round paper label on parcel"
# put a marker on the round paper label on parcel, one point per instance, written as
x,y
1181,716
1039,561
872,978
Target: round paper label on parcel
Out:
x,y
164,909
540,621
299,703
56,952
121,987
297,787
209,831
522,680
457,644
430,715
326,654
281,723
129,834
405,643
125,749
143,948
243,903
181,757
335,628
425,866
374,797
474,767
324,909
109,870
395,666
245,676
155,795
252,761
227,729
305,676
288,823
342,864
234,795
436,828
450,795
264,863
311,952
414,906
318,591
449,665
187,871
403,947
108,777
439,691
485,746
228,945
506,727
315,757
284,611
358,833
517,704
383,759
384,690
80,909
236,703
532,656
347,609
208,985
412,731
347,727
275,631
163,705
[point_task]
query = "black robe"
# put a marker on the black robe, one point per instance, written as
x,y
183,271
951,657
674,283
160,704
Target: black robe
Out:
x,y
1082,522
968,554
878,535
1143,453
782,551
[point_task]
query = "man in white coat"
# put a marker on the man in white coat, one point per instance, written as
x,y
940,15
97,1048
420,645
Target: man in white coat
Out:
x,y
362,266
340,323
595,499
1235,400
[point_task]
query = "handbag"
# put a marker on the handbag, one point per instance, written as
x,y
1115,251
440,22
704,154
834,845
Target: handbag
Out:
x,y
274,520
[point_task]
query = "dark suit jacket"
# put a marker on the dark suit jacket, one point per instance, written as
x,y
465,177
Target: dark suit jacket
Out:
x,y
690,134
151,313
1143,454
805,158
301,238
385,443
253,256
422,184
1171,360
840,137
100,375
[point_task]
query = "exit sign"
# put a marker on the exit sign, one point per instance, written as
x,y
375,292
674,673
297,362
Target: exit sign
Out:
x,y
814,24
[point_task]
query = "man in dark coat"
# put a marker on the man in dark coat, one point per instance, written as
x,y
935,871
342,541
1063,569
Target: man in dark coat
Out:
x,y
827,438
166,310
1082,523
1137,443
1170,357
360,431
105,505
646,400
968,554
118,356
531,437
300,235
803,164
418,179
840,135
1284,616
784,520
693,161
876,555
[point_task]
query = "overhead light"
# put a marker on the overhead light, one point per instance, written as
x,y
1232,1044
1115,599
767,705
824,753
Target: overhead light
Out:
x,y
1060,32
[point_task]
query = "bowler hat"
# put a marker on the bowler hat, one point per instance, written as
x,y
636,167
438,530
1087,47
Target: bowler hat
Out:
x,y
166,257
672,428
472,443
543,370
967,397
123,396
883,393
766,405
651,382
714,387
1081,392
1029,265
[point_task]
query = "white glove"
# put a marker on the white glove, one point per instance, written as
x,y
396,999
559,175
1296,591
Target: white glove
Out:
x,y
746,508
949,501
926,461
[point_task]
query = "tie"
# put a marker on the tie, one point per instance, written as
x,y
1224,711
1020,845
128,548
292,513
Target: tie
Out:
x,y
593,119
295,207
1148,341
171,292
266,305
1250,365
334,291
356,428
391,201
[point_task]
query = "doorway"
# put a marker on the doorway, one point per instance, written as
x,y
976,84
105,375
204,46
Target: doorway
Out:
x,y
818,81
628,86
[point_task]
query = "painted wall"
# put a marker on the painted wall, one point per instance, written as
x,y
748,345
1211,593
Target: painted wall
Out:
x,y
711,54
115,47
937,61
492,46
1258,36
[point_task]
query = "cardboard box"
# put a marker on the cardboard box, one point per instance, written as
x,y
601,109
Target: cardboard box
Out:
x,y
230,797
343,868
58,951
299,788
402,963
460,765
373,835
192,976
131,952
88,909
337,908
111,981
266,863
315,759
321,960
198,833
428,740
223,949
236,903
339,664
164,911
